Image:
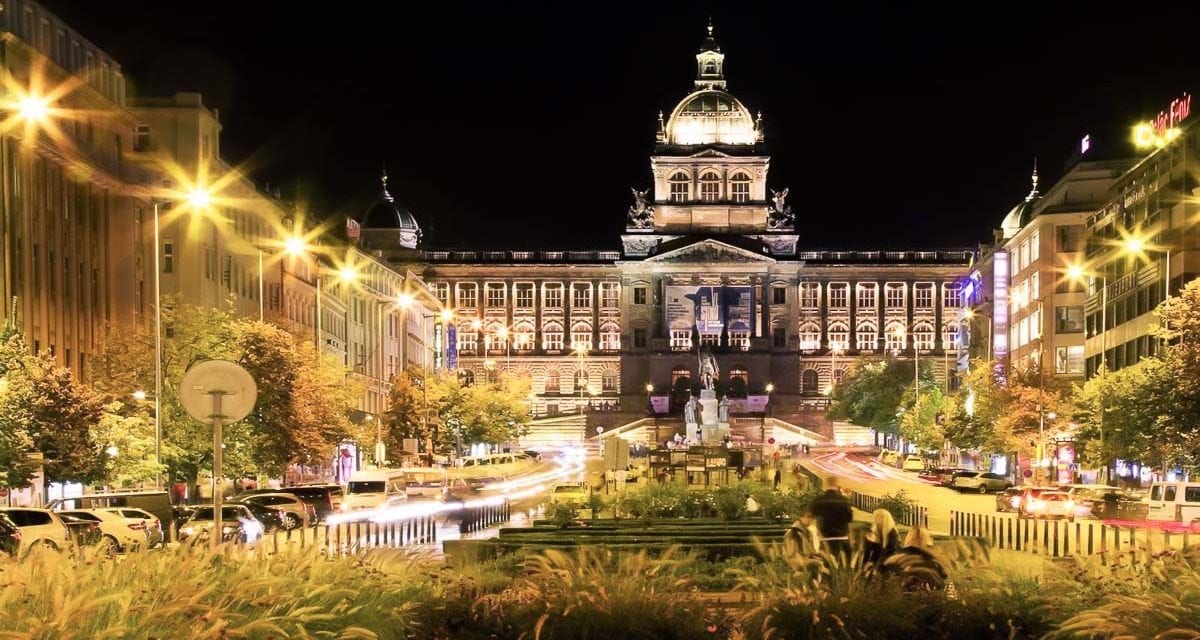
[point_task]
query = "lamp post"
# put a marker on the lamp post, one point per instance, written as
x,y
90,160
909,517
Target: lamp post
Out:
x,y
762,421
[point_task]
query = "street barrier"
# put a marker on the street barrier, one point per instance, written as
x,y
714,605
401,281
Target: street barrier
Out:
x,y
1063,538
912,515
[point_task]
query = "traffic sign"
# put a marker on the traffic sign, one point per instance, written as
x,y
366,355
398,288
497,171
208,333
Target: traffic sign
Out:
x,y
770,440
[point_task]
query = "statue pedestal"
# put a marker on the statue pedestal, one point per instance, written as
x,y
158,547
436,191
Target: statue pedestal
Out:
x,y
712,431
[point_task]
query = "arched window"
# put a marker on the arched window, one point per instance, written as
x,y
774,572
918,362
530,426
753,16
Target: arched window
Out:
x,y
681,378
610,337
523,335
951,338
581,336
866,336
710,186
809,381
710,68
810,336
894,337
552,381
496,337
839,336
552,336
739,188
468,338
466,377
608,380
681,187
923,336
581,380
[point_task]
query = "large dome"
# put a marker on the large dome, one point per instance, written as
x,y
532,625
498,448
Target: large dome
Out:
x,y
385,213
711,116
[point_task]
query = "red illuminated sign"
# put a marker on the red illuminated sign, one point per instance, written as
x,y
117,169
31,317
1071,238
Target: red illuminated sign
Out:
x,y
1178,111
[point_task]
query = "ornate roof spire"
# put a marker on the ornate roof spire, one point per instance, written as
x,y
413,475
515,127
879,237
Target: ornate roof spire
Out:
x,y
386,196
710,42
1033,193
710,63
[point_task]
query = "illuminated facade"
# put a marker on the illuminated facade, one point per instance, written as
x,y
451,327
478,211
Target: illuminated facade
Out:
x,y
710,259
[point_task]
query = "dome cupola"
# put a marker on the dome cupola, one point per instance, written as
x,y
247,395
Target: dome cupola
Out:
x,y
386,224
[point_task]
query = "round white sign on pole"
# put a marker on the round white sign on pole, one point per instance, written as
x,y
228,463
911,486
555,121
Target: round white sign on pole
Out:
x,y
235,385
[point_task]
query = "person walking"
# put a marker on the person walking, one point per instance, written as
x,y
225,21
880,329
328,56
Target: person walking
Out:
x,y
833,513
778,476
801,538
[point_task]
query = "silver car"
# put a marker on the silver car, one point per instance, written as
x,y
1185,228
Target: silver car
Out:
x,y
981,482
295,512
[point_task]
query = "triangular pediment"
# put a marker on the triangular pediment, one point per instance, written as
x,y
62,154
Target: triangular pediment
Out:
x,y
709,250
710,153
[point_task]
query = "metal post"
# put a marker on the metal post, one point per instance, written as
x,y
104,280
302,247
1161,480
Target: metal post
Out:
x,y
217,441
1103,369
318,337
260,286
158,479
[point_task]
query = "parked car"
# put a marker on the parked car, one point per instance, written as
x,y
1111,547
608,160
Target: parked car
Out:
x,y
569,492
238,524
947,476
1112,503
326,499
39,527
1051,504
981,482
180,514
10,536
294,512
157,503
270,518
913,463
930,474
1175,501
889,457
114,529
1009,500
85,532
460,490
141,519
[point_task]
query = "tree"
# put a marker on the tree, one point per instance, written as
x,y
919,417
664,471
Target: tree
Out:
x,y
16,469
487,412
875,392
975,409
408,402
130,434
1136,418
61,417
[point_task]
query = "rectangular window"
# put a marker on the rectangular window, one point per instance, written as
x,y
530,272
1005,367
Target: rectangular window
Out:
x,y
1070,237
168,257
141,137
866,296
609,292
553,296
710,339
740,191
923,295
581,296
468,341
581,340
1035,249
895,295
1035,324
467,296
610,341
679,190
1069,360
524,296
739,340
639,295
1013,267
952,296
710,190
495,295
779,337
1023,332
810,295
838,298
1035,285
1068,319
639,338
681,339
552,339
779,295
441,291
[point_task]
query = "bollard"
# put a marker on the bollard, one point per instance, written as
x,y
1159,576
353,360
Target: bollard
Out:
x,y
1055,549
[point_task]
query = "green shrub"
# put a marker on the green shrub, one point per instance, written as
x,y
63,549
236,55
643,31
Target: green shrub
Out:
x,y
730,502
898,504
563,514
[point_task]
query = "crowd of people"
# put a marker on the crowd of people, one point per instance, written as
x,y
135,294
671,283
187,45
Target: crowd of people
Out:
x,y
824,533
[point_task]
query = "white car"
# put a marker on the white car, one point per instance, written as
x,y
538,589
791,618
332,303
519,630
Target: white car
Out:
x,y
1051,504
913,463
39,527
114,529
140,519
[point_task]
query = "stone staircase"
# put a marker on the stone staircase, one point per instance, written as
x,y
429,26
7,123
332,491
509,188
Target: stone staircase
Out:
x,y
555,432
849,435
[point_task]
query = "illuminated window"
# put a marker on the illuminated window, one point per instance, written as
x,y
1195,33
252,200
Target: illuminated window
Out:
x,y
1068,360
866,336
867,295
466,296
523,296
950,337
496,337
739,373
581,336
739,340
552,295
809,381
608,380
1035,251
552,381
581,380
467,339
495,294
923,295
810,295
923,336
523,336
581,296
894,292
710,187
680,187
710,339
739,188
894,337
680,377
952,296
839,336
837,295
552,336
441,291
810,336
681,339
610,337
609,292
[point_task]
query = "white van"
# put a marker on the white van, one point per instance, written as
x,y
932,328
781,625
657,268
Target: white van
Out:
x,y
1177,501
427,482
374,489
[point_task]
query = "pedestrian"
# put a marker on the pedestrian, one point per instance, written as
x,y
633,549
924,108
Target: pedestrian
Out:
x,y
801,538
915,564
882,540
678,438
778,477
833,513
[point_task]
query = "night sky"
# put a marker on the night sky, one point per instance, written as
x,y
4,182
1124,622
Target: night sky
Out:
x,y
525,126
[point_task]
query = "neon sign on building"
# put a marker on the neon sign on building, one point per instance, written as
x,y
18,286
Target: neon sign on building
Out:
x,y
1000,315
1165,126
